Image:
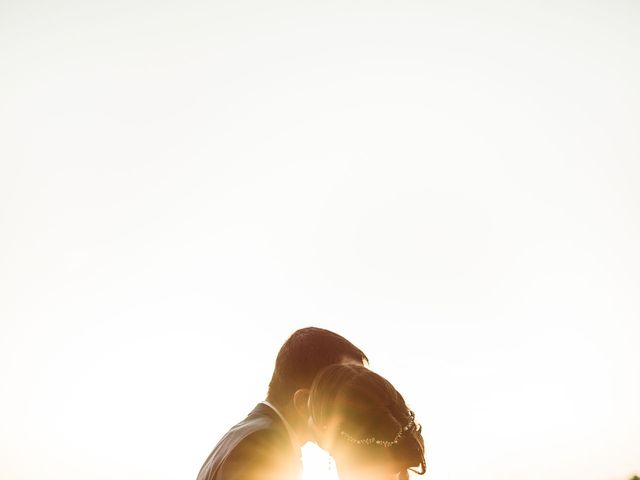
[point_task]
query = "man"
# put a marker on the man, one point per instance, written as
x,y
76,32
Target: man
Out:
x,y
266,444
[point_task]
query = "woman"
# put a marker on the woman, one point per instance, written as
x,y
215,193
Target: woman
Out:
x,y
364,423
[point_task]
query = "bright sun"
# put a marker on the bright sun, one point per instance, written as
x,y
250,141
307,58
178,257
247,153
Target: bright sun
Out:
x,y
317,464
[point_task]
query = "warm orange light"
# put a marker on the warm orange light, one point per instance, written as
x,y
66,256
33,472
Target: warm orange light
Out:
x,y
317,464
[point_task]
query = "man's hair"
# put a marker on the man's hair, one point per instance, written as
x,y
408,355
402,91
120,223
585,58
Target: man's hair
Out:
x,y
303,355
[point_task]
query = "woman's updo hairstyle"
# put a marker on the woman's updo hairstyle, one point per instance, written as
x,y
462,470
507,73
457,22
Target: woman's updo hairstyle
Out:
x,y
366,419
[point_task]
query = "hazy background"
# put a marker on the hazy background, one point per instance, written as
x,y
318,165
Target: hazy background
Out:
x,y
451,185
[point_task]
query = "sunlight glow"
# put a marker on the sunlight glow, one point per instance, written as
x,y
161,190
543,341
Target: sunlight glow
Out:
x,y
317,464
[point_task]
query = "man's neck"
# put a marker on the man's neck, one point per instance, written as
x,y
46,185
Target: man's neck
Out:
x,y
298,426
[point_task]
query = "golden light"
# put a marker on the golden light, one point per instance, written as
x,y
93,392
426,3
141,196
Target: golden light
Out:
x,y
317,464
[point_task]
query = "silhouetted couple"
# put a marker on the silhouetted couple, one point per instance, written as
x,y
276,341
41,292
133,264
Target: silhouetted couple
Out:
x,y
321,391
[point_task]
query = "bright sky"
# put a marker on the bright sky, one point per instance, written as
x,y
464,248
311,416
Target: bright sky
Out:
x,y
454,186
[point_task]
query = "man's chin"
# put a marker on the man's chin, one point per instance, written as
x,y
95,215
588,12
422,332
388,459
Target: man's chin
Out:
x,y
318,440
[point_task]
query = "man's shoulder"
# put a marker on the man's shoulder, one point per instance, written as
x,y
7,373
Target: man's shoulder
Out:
x,y
265,434
261,427
250,449
264,454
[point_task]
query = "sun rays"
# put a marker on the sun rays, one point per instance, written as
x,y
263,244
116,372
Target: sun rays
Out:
x,y
317,464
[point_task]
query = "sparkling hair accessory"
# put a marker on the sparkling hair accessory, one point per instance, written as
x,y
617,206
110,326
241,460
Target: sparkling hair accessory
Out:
x,y
383,443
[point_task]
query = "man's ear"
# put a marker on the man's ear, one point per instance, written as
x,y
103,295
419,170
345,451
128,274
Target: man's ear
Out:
x,y
301,402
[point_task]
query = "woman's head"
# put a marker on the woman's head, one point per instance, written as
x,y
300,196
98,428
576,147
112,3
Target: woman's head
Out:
x,y
364,422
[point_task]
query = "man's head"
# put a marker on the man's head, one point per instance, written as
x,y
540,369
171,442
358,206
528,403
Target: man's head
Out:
x,y
303,355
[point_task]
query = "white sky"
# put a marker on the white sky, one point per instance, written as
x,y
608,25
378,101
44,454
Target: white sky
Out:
x,y
451,185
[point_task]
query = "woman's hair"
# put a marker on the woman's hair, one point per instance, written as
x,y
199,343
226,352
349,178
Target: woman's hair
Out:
x,y
367,418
